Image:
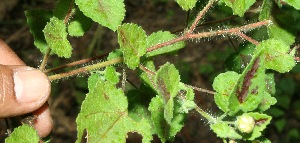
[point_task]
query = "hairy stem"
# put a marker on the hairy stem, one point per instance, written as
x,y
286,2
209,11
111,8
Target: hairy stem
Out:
x,y
45,59
231,31
76,63
85,69
208,117
200,15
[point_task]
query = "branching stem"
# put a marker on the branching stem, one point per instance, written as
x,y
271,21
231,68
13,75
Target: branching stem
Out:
x,y
232,31
200,15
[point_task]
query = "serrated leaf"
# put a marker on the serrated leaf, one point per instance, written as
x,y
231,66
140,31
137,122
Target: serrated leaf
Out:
x,y
223,130
279,33
186,4
111,75
276,55
265,12
164,130
107,13
132,40
63,8
56,36
167,81
293,3
239,7
261,122
79,24
37,20
104,115
23,134
160,37
224,83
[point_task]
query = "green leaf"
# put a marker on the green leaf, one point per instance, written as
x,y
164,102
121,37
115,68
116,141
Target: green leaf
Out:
x,y
63,8
267,101
23,134
186,98
223,130
266,8
164,130
107,13
37,20
224,83
261,122
56,36
279,33
132,40
252,95
79,24
168,110
186,4
293,3
276,55
160,37
114,54
104,115
147,78
167,81
239,7
111,75
270,83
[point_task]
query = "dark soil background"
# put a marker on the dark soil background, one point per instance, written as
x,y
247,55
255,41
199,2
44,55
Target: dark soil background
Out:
x,y
198,63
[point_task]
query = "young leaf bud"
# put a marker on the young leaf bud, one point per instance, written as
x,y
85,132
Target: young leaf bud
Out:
x,y
245,123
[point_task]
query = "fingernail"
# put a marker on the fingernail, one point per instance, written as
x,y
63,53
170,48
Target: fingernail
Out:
x,y
31,85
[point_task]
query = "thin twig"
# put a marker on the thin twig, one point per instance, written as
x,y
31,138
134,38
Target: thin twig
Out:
x,y
85,69
235,30
178,39
210,34
69,14
208,117
80,62
242,35
200,15
201,89
45,59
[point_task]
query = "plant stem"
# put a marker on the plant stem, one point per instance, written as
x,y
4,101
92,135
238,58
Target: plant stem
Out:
x,y
76,63
85,69
232,31
45,59
208,117
200,15
200,89
242,35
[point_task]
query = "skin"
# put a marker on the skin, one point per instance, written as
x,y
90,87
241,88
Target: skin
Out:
x,y
33,98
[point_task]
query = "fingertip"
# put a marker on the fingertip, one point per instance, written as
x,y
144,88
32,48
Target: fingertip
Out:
x,y
43,123
31,85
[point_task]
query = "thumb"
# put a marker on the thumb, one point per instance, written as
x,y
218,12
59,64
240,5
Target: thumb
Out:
x,y
22,90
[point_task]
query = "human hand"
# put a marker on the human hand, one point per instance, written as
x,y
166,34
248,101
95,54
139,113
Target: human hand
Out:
x,y
23,90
